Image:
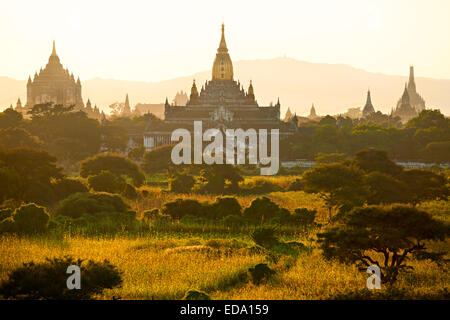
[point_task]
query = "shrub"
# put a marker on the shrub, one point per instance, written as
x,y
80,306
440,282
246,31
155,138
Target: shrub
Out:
x,y
259,186
161,221
91,203
181,182
395,232
233,221
264,236
189,219
223,207
296,185
148,215
262,209
105,181
303,217
66,186
115,163
7,225
48,280
182,207
129,192
260,272
6,213
196,295
30,219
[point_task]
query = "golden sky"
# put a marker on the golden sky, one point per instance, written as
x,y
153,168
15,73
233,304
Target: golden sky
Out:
x,y
157,40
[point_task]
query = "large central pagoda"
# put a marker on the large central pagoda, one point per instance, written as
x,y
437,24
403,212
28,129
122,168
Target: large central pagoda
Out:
x,y
220,103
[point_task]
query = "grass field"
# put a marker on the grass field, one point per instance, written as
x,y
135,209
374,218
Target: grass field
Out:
x,y
165,264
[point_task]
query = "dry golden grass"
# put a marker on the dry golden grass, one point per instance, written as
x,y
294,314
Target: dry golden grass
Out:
x,y
166,265
167,268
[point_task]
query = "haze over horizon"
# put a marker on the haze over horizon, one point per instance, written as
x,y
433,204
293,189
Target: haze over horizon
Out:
x,y
155,41
159,42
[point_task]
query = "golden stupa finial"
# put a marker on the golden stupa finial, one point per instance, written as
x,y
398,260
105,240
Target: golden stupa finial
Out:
x,y
223,44
54,49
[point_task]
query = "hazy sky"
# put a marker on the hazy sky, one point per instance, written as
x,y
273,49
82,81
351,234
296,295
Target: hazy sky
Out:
x,y
156,40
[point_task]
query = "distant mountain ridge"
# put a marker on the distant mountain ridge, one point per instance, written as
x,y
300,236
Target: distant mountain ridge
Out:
x,y
333,88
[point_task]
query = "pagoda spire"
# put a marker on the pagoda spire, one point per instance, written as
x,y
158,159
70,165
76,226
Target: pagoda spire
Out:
x,y
369,99
223,44
405,96
54,49
411,82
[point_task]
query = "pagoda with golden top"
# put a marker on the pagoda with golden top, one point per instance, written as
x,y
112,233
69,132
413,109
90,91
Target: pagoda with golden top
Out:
x,y
220,103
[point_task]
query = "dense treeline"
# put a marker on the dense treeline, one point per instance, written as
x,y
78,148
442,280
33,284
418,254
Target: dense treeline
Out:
x,y
424,138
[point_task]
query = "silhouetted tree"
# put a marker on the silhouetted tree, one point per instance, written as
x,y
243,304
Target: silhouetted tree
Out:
x,y
393,232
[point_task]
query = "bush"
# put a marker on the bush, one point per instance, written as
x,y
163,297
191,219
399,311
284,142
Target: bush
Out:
x,y
30,219
260,272
161,221
196,295
233,221
129,192
148,215
181,207
303,217
259,186
115,163
189,219
90,203
262,209
224,206
6,213
296,185
48,280
105,181
7,225
264,236
66,186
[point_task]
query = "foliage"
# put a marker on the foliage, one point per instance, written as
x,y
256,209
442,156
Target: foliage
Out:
x,y
157,160
115,163
303,217
219,179
323,158
10,118
27,174
105,181
137,153
233,221
47,280
424,185
262,209
90,203
260,272
27,219
14,137
392,232
64,187
181,182
70,136
115,138
224,206
369,160
264,236
338,184
196,295
181,207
